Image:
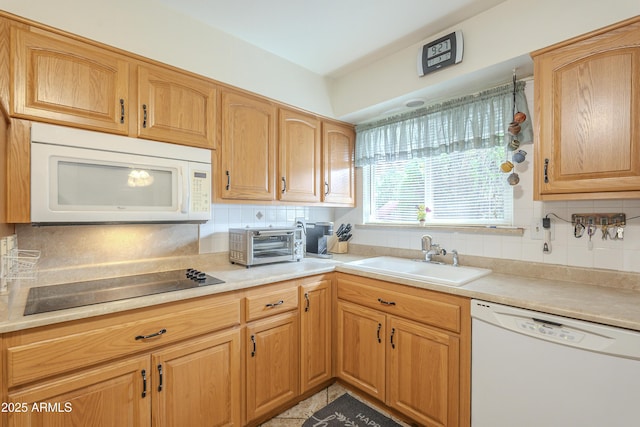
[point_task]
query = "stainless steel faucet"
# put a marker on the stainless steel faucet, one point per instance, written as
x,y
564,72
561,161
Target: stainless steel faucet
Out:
x,y
430,249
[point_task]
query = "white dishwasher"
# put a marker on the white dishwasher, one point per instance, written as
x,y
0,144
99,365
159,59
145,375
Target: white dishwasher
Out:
x,y
531,369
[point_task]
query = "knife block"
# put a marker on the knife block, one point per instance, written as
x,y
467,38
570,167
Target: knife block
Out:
x,y
341,248
338,247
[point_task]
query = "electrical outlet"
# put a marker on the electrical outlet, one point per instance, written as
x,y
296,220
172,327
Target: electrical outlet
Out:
x,y
537,230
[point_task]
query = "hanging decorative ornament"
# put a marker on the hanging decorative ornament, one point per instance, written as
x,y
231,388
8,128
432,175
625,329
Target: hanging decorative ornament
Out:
x,y
519,117
514,128
513,145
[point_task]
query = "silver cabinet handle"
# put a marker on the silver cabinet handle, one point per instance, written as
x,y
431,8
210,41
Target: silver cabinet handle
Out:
x,y
160,375
144,115
157,334
546,170
121,111
253,341
144,383
274,304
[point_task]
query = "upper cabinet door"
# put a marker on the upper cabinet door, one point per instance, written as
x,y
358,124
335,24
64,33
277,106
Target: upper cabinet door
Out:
x,y
338,151
587,96
61,80
176,107
299,157
247,148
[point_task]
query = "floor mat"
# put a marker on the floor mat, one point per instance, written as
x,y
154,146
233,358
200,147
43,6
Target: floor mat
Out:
x,y
348,411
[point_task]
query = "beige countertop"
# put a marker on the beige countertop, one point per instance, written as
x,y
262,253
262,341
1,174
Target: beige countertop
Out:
x,y
235,278
616,306
607,305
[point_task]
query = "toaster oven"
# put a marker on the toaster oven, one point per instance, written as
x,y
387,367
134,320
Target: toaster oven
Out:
x,y
254,246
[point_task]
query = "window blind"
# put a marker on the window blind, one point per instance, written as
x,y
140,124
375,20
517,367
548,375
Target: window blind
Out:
x,y
446,157
457,188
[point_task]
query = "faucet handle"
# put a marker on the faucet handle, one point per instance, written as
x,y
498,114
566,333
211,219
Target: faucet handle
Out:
x,y
455,258
426,242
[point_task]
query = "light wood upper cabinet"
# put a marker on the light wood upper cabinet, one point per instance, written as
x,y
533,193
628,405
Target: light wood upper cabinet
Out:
x,y
18,176
61,80
587,103
338,145
299,157
314,158
176,107
247,151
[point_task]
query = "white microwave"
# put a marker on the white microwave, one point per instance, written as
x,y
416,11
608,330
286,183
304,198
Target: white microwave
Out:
x,y
85,177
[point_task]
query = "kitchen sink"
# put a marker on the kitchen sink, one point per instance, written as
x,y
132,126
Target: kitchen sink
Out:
x,y
442,274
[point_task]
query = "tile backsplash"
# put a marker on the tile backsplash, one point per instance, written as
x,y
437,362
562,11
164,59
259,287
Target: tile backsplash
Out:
x,y
214,235
621,255
82,245
75,246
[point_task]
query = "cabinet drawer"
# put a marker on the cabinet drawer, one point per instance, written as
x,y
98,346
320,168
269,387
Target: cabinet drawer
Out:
x,y
420,308
52,350
263,305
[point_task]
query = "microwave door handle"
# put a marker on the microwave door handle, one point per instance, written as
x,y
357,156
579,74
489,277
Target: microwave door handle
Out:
x,y
183,190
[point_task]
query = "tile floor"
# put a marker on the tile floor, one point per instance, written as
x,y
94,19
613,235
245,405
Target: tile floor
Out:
x,y
297,415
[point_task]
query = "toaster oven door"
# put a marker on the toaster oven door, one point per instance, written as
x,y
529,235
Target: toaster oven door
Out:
x,y
272,246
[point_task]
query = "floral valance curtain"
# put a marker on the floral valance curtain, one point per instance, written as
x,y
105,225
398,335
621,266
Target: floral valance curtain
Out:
x,y
476,121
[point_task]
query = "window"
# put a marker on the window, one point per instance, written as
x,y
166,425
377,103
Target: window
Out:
x,y
446,157
458,188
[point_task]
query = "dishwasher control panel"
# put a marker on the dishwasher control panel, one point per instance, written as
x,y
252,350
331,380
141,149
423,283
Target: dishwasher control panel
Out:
x,y
549,330
561,330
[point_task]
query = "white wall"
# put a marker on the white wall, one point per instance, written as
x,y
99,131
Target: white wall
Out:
x,y
149,29
508,31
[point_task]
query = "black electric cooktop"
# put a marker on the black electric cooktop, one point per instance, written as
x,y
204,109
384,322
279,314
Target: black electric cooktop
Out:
x,y
70,295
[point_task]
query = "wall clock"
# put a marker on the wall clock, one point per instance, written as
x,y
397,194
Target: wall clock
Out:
x,y
440,53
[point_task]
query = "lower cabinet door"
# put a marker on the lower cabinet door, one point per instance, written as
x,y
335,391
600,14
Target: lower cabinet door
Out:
x,y
315,334
272,363
197,383
423,377
117,394
360,348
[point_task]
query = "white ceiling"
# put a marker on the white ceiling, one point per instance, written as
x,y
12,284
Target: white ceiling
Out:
x,y
331,37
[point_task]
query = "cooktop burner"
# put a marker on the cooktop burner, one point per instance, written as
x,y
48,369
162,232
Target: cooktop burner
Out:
x,y
70,295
